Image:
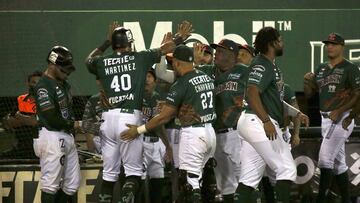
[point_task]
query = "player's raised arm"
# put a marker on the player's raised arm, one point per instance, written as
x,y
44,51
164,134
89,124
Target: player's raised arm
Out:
x,y
101,49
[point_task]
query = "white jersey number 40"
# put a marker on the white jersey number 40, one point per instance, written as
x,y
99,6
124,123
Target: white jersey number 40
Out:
x,y
207,100
124,85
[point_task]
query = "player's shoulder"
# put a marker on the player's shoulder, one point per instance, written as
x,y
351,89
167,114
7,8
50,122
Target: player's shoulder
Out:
x,y
350,65
260,63
208,69
240,68
45,82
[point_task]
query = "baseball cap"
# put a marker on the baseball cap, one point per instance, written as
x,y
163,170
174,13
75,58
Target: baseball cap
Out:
x,y
334,38
249,48
184,53
227,44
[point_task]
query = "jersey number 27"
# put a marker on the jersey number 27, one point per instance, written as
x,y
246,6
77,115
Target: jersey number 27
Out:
x,y
207,100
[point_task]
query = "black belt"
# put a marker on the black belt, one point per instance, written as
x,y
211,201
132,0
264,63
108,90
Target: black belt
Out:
x,y
225,130
150,139
122,110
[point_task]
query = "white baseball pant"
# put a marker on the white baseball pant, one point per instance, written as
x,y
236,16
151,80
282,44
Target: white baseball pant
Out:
x,y
258,151
332,149
227,155
197,145
114,150
59,161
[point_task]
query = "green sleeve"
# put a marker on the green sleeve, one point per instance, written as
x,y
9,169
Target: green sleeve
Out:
x,y
45,98
176,93
151,56
260,76
56,121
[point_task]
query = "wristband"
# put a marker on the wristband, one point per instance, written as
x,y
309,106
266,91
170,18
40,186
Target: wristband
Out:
x,y
105,45
141,129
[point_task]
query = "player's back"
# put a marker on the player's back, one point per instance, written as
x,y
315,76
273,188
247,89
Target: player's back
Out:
x,y
196,89
122,76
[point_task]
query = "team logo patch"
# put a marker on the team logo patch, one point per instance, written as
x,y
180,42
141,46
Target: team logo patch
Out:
x,y
259,68
52,57
234,76
42,93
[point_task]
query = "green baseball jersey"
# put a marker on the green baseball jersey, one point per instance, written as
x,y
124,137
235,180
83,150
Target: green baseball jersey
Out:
x,y
268,78
289,94
335,84
123,75
51,94
92,115
229,90
196,89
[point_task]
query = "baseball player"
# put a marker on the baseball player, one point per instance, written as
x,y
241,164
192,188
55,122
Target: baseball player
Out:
x,y
230,79
269,178
197,136
260,125
91,122
122,76
155,151
338,83
59,162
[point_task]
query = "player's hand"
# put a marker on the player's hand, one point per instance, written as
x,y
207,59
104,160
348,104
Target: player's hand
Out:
x,y
309,76
111,29
130,134
198,52
304,119
168,155
167,44
346,122
184,30
295,140
270,130
335,115
309,83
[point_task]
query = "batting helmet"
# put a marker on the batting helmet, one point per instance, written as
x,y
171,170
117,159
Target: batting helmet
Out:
x,y
121,38
62,57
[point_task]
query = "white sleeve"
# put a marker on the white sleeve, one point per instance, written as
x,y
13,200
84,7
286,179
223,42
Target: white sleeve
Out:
x,y
163,73
290,110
